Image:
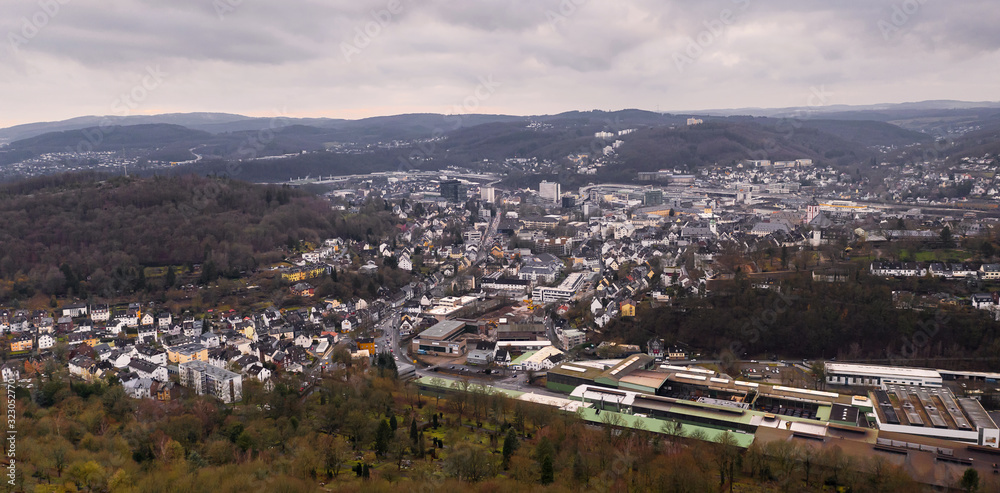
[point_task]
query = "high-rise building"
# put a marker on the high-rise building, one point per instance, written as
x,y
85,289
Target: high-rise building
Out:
x,y
452,191
488,194
653,197
550,191
204,378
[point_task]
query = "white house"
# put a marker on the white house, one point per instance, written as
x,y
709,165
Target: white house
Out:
x,y
100,313
303,340
148,331
210,340
983,301
138,388
11,372
146,369
45,341
118,358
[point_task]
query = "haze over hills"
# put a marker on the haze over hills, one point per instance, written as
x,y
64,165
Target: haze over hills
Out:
x,y
203,142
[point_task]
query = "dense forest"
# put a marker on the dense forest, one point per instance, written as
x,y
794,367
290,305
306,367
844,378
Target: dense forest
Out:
x,y
359,431
83,235
802,318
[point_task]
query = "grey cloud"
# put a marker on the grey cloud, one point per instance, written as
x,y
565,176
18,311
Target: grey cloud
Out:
x,y
551,55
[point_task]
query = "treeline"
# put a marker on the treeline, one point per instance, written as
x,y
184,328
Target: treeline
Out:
x,y
801,318
361,432
83,236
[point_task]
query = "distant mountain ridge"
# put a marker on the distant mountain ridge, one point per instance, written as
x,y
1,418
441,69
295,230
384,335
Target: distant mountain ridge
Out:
x,y
205,142
426,122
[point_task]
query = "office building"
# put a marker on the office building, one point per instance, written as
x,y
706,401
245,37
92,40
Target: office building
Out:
x,y
550,191
452,191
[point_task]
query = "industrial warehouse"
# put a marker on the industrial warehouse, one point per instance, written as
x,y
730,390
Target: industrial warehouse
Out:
x,y
638,385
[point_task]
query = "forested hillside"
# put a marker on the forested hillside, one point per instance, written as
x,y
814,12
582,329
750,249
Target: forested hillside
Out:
x,y
358,432
855,319
80,234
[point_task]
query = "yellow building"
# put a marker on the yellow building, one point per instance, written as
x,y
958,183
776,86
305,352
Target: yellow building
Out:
x,y
628,308
366,344
302,273
187,352
21,343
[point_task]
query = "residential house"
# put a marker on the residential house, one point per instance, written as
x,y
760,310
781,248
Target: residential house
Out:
x,y
210,340
146,369
502,357
11,371
138,388
118,358
366,344
148,333
45,341
150,354
482,354
259,372
303,289
654,348
983,301
21,343
82,366
676,353
627,308
164,392
100,313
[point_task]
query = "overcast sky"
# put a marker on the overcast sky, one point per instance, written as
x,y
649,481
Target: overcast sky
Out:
x,y
358,58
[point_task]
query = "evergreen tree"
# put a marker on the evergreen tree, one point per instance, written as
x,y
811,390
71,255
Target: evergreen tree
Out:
x,y
509,447
544,453
393,423
413,431
382,437
170,279
548,472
